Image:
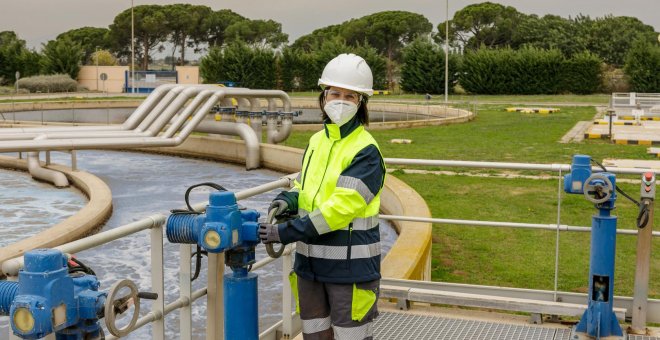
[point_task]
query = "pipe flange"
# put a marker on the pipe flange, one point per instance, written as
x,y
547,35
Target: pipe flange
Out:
x,y
113,301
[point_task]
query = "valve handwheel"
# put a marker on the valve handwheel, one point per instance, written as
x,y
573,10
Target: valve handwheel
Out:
x,y
598,188
114,302
269,247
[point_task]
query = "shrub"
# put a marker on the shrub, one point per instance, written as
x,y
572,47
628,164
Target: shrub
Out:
x,y
423,69
252,67
643,67
582,73
529,71
49,83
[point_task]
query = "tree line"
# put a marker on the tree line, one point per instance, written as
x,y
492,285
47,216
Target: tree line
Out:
x,y
401,47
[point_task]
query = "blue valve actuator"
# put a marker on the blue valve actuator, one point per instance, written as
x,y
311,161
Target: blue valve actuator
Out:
x,y
222,227
580,171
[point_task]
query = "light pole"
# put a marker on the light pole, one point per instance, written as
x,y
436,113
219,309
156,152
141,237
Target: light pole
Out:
x,y
447,54
96,61
132,49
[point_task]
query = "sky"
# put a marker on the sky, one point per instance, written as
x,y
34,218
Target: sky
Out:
x,y
38,21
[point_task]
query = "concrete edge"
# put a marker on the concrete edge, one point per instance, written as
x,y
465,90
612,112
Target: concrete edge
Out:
x,y
410,256
84,222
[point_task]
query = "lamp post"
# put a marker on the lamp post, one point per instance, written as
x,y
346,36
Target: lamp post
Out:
x,y
132,49
96,61
447,54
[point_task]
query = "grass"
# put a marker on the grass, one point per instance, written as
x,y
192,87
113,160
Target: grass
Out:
x,y
601,99
496,135
505,256
516,257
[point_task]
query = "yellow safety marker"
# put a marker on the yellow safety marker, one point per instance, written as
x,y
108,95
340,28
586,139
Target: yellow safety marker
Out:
x,y
641,118
381,92
594,135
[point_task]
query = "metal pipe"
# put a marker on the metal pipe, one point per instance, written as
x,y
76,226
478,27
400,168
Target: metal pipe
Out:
x,y
252,157
172,109
284,182
181,119
274,135
48,175
129,124
476,223
162,105
510,166
11,267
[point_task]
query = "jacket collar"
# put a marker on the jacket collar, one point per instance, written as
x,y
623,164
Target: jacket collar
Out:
x,y
335,132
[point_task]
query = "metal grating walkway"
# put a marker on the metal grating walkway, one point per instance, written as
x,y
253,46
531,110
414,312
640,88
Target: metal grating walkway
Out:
x,y
400,326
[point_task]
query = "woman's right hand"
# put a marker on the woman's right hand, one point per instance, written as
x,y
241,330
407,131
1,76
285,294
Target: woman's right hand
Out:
x,y
280,207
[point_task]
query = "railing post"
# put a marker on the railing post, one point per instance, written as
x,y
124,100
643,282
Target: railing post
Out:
x,y
641,292
74,164
158,307
559,188
185,314
287,307
215,318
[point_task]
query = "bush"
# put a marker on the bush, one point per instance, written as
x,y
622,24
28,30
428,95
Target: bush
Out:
x,y
643,67
529,71
49,83
423,69
251,67
302,69
582,73
62,56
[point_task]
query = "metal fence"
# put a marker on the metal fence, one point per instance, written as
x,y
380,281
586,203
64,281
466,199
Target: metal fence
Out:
x,y
290,324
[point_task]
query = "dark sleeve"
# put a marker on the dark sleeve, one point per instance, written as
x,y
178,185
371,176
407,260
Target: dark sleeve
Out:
x,y
369,168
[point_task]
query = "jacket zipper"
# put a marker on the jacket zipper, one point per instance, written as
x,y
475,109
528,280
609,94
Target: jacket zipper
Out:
x,y
324,172
304,179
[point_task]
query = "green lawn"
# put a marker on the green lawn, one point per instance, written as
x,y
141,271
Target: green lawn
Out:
x,y
497,135
504,256
601,99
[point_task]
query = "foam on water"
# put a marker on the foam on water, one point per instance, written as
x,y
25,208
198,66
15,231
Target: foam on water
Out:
x,y
144,184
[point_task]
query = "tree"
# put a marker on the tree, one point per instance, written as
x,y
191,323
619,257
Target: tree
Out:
x,y
488,24
216,23
62,56
103,58
89,38
313,40
14,56
643,66
388,32
251,66
423,69
611,37
185,24
150,31
553,32
259,33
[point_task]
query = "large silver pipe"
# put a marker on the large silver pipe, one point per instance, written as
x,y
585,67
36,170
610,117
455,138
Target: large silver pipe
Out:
x,y
190,109
252,158
38,172
162,105
129,124
135,141
274,135
172,109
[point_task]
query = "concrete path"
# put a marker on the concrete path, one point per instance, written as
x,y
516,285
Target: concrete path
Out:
x,y
576,134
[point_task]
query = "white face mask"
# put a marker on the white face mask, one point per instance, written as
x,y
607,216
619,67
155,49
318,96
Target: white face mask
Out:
x,y
340,111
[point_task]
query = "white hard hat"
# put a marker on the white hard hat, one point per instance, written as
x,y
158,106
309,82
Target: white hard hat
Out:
x,y
348,71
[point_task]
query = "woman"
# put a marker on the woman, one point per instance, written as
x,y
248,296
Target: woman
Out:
x,y
337,198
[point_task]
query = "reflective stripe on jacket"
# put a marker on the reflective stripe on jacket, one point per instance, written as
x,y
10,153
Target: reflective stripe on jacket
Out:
x,y
338,198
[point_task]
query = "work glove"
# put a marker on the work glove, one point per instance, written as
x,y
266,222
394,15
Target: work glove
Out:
x,y
280,207
268,233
